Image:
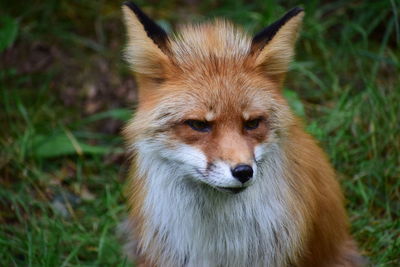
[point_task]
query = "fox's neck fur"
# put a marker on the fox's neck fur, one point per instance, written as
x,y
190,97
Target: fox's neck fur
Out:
x,y
189,224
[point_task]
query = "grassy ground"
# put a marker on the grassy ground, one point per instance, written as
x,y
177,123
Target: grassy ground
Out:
x,y
64,94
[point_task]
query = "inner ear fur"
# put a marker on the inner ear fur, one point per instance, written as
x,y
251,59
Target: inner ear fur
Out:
x,y
273,47
147,46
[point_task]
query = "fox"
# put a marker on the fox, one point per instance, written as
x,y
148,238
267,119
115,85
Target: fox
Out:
x,y
222,172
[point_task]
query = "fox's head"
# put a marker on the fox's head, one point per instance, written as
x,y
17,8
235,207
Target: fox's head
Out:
x,y
210,104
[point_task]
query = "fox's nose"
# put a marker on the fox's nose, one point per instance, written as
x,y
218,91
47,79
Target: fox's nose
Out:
x,y
242,172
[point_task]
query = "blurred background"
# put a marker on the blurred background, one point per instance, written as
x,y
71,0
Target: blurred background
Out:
x,y
65,92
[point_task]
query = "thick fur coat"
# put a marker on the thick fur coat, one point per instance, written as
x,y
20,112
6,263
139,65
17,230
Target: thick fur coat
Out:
x,y
210,99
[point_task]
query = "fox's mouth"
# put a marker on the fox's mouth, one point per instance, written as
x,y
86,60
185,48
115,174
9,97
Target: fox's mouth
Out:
x,y
231,190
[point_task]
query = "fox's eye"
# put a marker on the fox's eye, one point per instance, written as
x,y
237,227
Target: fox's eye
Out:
x,y
200,126
252,124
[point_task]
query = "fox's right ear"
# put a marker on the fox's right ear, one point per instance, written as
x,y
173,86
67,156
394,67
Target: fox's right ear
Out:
x,y
274,46
147,43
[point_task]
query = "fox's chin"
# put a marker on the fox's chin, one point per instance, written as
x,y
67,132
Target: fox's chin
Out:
x,y
231,190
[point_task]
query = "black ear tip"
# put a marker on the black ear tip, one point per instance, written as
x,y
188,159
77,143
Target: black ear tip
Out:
x,y
298,9
155,32
128,3
263,37
295,11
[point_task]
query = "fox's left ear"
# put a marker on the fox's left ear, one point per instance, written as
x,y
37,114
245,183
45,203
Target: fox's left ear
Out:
x,y
274,46
147,46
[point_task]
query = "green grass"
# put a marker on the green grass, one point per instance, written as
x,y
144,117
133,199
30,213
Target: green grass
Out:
x,y
64,92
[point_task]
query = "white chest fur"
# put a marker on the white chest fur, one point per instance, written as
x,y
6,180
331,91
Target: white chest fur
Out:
x,y
190,224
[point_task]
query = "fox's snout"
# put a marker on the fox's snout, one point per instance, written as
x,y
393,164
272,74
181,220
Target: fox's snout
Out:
x,y
235,150
230,158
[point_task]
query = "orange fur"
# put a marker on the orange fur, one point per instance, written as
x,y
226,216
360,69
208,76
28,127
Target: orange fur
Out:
x,y
212,74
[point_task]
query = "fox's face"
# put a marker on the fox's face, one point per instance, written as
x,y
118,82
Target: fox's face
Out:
x,y
218,125
209,98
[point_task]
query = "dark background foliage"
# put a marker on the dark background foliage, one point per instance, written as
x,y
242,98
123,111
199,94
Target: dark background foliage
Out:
x,y
65,93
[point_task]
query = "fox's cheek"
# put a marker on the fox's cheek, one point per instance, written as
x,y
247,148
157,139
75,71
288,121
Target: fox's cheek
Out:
x,y
260,151
188,155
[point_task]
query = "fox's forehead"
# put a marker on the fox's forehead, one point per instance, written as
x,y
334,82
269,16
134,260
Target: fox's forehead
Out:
x,y
214,72
219,39
209,98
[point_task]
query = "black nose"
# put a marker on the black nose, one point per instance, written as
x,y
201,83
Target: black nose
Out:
x,y
243,173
